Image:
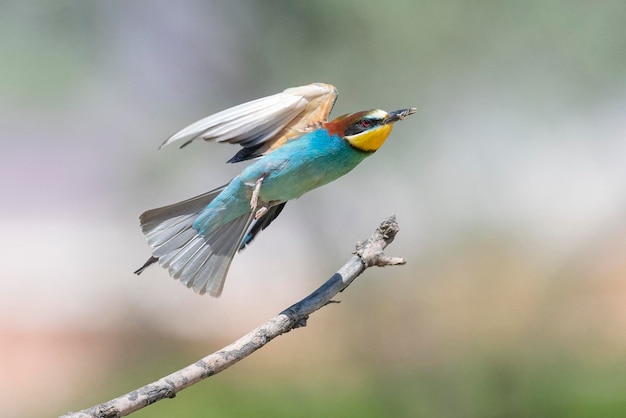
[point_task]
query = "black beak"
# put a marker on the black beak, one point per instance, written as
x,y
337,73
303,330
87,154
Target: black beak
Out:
x,y
397,115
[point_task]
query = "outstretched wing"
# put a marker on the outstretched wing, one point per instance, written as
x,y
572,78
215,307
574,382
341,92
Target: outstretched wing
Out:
x,y
265,124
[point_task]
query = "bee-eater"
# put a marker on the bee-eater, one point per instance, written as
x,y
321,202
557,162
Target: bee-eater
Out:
x,y
295,148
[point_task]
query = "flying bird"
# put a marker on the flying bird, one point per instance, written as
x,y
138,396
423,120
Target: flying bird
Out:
x,y
295,149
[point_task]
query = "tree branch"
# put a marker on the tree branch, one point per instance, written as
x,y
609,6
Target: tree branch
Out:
x,y
369,253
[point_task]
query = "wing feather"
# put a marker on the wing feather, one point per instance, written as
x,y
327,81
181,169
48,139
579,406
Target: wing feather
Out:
x,y
264,124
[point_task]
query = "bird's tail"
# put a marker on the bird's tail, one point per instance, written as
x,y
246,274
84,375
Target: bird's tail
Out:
x,y
199,261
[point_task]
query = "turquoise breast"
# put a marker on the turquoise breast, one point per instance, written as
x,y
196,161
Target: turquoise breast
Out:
x,y
302,165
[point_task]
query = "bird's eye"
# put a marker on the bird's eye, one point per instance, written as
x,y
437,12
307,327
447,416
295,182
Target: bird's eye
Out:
x,y
360,125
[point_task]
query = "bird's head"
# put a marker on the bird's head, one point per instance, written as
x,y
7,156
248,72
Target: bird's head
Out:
x,y
368,129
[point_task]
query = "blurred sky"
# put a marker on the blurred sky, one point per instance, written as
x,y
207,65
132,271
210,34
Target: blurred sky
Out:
x,y
514,162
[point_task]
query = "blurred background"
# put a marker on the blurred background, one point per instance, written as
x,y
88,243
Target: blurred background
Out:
x,y
509,186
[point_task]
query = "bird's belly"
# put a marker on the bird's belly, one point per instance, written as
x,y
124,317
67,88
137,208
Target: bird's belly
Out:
x,y
300,166
297,177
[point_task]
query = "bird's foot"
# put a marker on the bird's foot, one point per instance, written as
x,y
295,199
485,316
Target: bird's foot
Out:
x,y
262,211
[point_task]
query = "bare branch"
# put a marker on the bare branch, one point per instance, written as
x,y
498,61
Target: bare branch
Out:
x,y
369,253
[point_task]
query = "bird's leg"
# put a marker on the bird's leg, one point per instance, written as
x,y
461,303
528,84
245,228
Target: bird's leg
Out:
x,y
254,200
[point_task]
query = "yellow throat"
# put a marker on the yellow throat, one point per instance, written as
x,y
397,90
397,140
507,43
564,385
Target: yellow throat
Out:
x,y
370,141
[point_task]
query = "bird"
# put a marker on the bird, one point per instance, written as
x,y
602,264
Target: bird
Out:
x,y
294,149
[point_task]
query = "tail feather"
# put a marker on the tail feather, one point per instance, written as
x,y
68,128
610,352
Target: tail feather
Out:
x,y
188,264
173,243
159,218
167,230
224,242
200,262
147,264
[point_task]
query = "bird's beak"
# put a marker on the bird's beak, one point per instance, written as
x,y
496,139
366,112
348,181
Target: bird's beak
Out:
x,y
397,115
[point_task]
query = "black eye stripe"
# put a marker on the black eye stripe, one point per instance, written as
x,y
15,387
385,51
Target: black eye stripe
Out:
x,y
361,125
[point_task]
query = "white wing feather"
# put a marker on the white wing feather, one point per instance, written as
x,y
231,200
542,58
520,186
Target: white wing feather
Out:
x,y
253,123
